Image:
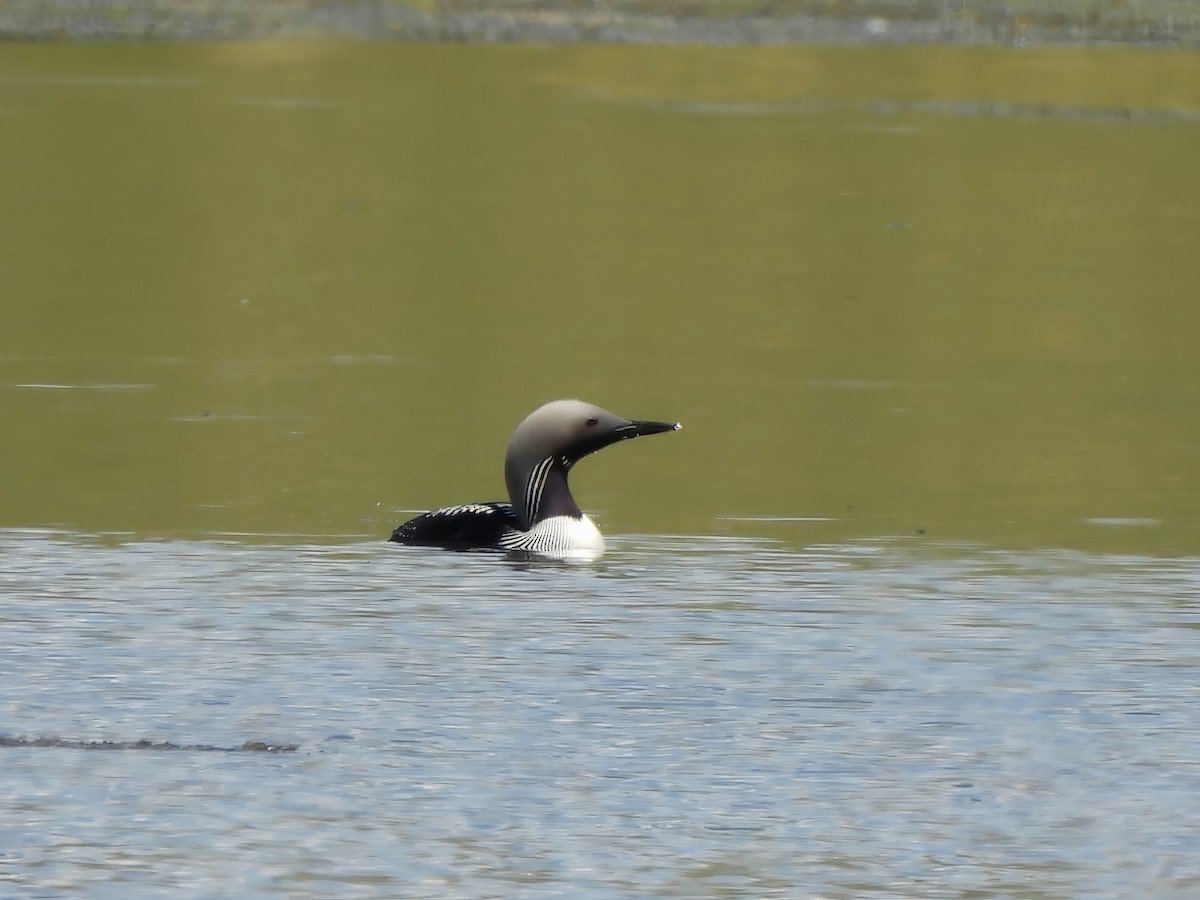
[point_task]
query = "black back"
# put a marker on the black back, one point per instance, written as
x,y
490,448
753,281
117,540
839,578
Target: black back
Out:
x,y
467,527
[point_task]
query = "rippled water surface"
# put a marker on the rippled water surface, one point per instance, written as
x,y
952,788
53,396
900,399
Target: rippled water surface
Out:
x,y
688,716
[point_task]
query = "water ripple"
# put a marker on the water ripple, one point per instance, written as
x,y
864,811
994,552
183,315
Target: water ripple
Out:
x,y
688,716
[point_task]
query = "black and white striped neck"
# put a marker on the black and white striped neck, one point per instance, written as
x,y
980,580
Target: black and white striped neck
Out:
x,y
546,493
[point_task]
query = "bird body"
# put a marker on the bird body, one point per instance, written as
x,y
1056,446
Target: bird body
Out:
x,y
542,517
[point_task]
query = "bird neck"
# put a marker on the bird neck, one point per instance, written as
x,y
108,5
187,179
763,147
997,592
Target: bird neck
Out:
x,y
545,493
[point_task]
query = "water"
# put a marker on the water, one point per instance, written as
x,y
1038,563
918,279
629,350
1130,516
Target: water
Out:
x,y
310,288
691,716
907,609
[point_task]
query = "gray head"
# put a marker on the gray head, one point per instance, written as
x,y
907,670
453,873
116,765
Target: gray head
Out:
x,y
549,442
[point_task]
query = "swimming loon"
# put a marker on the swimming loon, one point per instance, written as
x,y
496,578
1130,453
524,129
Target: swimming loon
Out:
x,y
543,517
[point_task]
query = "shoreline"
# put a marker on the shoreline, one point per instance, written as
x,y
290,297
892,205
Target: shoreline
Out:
x,y
731,23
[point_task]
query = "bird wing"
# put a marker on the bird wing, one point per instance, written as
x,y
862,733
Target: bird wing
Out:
x,y
464,527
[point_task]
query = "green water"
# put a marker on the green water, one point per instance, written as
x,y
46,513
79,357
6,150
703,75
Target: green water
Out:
x,y
941,293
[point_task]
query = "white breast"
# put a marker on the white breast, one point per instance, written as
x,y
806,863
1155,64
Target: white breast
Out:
x,y
560,537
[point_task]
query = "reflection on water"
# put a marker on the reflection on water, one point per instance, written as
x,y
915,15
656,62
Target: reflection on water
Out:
x,y
896,108
689,716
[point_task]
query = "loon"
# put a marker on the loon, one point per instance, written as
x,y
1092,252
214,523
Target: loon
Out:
x,y
542,517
